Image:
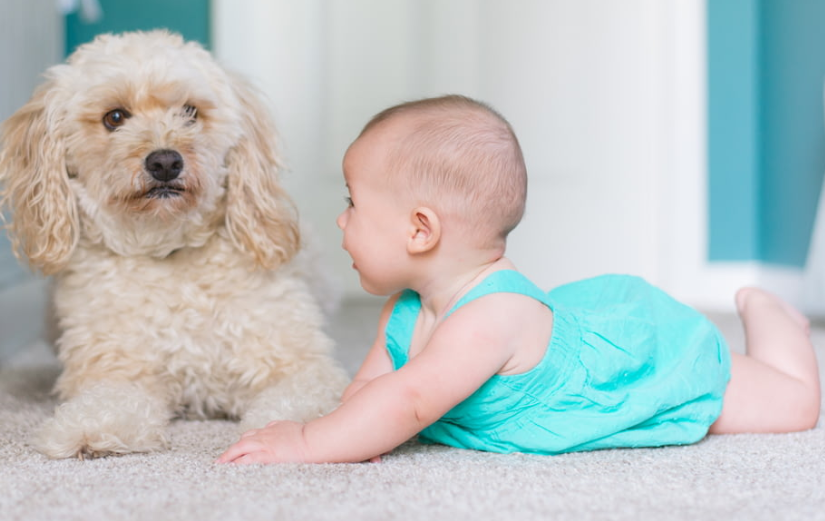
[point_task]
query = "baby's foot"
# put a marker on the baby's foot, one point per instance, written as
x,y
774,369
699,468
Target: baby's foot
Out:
x,y
746,297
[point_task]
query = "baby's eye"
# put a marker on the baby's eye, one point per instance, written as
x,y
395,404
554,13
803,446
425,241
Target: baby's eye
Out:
x,y
348,200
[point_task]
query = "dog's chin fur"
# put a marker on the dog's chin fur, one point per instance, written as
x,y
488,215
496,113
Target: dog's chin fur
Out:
x,y
176,295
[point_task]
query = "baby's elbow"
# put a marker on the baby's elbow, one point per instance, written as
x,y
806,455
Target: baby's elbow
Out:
x,y
420,408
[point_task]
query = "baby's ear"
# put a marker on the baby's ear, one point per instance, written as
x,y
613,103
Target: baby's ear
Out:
x,y
424,230
44,227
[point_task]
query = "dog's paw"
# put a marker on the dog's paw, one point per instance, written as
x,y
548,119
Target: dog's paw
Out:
x,y
302,396
63,438
105,420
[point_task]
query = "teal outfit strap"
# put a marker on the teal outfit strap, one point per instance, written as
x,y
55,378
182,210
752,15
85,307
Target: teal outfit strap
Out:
x,y
504,281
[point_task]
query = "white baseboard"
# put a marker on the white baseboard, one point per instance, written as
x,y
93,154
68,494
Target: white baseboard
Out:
x,y
712,286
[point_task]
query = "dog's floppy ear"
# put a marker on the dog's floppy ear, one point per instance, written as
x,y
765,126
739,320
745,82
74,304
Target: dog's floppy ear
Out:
x,y
44,226
260,216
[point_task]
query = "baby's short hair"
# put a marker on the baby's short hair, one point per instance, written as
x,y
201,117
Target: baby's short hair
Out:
x,y
461,156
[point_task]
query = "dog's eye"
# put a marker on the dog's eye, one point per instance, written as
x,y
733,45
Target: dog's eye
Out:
x,y
190,112
115,118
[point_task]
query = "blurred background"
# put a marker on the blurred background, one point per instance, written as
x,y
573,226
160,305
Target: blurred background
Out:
x,y
679,140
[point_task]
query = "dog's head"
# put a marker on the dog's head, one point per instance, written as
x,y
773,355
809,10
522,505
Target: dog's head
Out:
x,y
143,144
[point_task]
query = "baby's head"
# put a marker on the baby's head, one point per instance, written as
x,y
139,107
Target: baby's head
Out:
x,y
461,158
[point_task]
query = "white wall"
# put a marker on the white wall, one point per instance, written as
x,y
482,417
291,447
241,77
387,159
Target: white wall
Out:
x,y
608,99
580,84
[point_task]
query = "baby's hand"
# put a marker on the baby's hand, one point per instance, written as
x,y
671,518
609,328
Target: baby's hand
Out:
x,y
278,442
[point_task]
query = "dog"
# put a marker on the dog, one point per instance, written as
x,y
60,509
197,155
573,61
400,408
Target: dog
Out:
x,y
144,177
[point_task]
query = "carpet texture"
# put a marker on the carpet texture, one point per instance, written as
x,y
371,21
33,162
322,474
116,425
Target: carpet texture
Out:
x,y
748,477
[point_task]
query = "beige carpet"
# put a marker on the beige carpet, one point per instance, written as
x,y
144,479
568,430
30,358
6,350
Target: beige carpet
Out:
x,y
748,477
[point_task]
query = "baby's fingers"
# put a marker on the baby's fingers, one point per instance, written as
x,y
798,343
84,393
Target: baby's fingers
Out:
x,y
237,451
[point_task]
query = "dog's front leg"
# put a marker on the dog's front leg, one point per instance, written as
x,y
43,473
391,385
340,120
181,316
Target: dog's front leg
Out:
x,y
104,419
313,389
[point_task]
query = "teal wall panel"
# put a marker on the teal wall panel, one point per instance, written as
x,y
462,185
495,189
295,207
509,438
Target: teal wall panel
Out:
x,y
792,128
733,129
191,18
766,138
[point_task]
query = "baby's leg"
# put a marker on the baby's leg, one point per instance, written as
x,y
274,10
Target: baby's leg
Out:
x,y
774,387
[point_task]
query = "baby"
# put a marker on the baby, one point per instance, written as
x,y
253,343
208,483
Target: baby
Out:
x,y
471,354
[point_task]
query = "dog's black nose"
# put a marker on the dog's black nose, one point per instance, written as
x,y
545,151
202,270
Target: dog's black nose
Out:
x,y
164,165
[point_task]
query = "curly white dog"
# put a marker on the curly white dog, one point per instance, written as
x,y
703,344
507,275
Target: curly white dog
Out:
x,y
144,177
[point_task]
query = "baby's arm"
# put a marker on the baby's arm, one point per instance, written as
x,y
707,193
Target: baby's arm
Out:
x,y
463,353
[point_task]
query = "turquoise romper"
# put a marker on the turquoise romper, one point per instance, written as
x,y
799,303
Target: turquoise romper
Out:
x,y
627,366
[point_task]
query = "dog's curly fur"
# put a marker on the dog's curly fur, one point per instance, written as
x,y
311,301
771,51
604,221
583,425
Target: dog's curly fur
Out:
x,y
144,177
